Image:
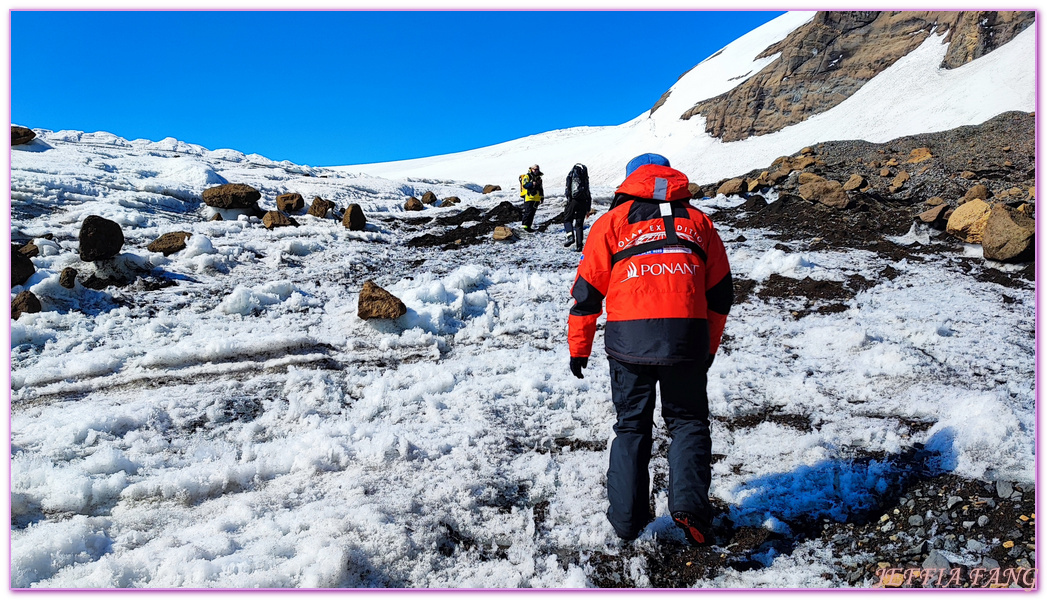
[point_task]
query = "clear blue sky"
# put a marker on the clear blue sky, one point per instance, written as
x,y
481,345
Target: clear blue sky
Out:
x,y
329,88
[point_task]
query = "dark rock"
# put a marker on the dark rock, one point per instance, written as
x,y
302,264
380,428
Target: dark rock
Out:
x,y
25,302
68,278
21,135
100,239
354,219
29,249
169,243
377,303
22,267
274,218
953,501
935,560
217,217
320,207
916,521
288,203
232,195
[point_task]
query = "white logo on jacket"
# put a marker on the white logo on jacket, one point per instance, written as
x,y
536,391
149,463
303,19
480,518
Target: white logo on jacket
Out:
x,y
659,269
630,273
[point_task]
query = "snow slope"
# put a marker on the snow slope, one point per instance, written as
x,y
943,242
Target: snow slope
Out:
x,y
912,96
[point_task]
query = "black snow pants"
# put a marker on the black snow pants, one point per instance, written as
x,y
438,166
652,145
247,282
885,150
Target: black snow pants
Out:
x,y
529,209
685,408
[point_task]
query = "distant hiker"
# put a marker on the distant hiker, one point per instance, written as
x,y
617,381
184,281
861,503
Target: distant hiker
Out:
x,y
532,192
663,270
579,201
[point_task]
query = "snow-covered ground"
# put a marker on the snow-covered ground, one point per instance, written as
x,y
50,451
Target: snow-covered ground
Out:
x,y
244,428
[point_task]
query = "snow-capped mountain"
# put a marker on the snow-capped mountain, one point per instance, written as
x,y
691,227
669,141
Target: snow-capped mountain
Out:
x,y
915,94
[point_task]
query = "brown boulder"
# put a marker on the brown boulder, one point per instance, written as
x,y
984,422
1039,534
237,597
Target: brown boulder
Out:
x,y
376,303
969,220
694,189
934,201
21,135
892,163
413,204
100,238
776,176
803,162
855,182
290,202
21,267
503,233
806,178
232,195
354,219
731,187
1009,235
68,278
919,155
429,198
753,185
978,192
828,192
29,249
492,188
319,207
217,217
885,172
25,302
935,217
969,175
169,243
275,218
806,151
450,201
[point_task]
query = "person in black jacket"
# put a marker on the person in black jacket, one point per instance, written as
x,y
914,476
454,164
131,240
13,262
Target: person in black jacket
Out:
x,y
579,202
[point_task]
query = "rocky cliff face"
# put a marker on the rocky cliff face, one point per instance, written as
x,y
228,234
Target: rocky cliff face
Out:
x,y
831,57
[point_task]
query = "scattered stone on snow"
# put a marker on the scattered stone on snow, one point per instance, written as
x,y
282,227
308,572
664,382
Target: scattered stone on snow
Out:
x,y
289,203
216,217
502,232
232,195
429,198
275,218
492,188
29,249
22,267
100,238
24,303
354,219
21,135
450,201
169,243
377,303
320,207
413,204
68,278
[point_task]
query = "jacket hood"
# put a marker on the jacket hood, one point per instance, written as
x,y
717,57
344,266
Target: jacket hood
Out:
x,y
655,182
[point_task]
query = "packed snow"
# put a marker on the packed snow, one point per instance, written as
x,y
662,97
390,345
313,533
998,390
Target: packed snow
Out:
x,y
244,428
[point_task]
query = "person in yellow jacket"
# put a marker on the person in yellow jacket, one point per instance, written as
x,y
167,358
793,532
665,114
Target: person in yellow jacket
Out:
x,y
532,193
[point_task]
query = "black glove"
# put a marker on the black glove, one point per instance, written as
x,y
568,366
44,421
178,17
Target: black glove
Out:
x,y
577,364
709,362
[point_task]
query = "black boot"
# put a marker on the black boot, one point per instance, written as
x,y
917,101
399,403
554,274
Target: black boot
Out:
x,y
578,243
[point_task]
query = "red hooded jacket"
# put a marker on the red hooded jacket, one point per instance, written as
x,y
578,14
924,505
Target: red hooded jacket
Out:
x,y
667,295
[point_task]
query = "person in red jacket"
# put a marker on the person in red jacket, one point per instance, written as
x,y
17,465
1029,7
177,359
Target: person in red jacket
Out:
x,y
662,269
